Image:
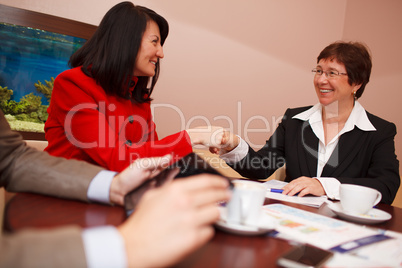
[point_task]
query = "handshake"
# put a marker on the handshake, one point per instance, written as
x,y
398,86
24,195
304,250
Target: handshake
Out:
x,y
219,140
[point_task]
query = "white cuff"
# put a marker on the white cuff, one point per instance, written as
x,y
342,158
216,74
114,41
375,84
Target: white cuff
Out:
x,y
104,247
99,188
331,187
237,153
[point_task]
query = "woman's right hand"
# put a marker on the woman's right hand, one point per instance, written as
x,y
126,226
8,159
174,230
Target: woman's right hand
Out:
x,y
228,143
218,139
210,136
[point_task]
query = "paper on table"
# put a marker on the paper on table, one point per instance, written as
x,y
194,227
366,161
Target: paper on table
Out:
x,y
387,253
312,201
318,230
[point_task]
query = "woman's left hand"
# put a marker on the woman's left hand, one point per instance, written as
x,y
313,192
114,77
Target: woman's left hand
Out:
x,y
304,186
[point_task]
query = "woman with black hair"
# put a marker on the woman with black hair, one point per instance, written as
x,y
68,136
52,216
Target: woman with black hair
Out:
x,y
100,109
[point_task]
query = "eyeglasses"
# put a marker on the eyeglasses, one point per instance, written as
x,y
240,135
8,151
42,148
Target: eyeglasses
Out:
x,y
329,74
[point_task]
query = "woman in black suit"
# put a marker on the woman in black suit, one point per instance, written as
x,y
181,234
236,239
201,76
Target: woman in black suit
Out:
x,y
335,141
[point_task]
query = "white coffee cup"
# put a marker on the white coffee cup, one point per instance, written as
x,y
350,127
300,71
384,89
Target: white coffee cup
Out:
x,y
356,199
244,207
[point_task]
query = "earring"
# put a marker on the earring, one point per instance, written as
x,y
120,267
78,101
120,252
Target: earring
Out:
x,y
354,95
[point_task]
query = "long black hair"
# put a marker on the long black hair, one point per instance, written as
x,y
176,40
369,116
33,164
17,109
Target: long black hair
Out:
x,y
109,55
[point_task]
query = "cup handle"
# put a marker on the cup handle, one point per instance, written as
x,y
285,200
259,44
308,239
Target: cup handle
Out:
x,y
378,198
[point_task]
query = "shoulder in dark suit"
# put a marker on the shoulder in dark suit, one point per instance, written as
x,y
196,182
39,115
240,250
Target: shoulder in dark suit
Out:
x,y
361,157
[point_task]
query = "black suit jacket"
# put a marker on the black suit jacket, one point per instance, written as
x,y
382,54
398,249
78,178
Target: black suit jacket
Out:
x,y
361,157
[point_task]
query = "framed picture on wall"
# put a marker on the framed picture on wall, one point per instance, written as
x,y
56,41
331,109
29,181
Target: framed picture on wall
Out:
x,y
34,49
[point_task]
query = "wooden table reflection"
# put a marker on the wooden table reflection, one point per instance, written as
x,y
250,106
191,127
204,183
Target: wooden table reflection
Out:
x,y
39,211
224,250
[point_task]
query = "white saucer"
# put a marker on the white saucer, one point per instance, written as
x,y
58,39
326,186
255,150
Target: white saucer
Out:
x,y
238,229
372,217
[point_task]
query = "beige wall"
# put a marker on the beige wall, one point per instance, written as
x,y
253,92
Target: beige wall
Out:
x,y
240,64
379,24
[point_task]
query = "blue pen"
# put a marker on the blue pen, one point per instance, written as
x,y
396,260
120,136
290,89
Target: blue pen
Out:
x,y
273,190
279,191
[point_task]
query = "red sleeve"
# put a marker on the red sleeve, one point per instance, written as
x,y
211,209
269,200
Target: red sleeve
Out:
x,y
84,123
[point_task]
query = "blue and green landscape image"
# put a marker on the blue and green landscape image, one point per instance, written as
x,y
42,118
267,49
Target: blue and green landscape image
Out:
x,y
30,59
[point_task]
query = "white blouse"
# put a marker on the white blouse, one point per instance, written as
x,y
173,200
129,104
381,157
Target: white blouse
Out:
x,y
358,118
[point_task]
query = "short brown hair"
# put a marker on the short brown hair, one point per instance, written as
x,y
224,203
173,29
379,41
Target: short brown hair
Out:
x,y
356,58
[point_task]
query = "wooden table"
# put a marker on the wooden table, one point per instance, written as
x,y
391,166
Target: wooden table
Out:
x,y
224,250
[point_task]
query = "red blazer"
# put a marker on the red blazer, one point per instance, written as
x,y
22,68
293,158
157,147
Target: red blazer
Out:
x,y
87,124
